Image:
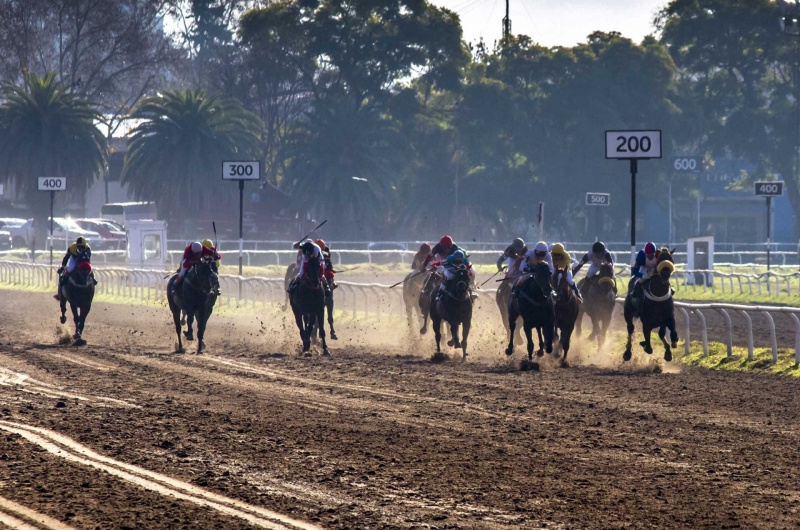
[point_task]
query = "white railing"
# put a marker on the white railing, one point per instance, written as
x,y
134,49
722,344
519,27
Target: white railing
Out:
x,y
379,302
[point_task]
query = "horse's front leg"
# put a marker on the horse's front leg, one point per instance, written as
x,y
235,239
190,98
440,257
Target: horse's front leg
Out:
x,y
202,320
511,326
673,333
189,334
329,306
455,343
629,322
540,351
84,313
648,348
176,318
76,318
549,333
467,325
63,303
321,322
529,336
662,334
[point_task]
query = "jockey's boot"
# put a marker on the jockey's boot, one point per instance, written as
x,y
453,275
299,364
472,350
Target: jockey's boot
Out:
x,y
217,290
292,286
327,287
62,281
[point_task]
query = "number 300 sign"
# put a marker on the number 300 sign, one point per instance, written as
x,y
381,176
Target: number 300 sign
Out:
x,y
241,170
633,144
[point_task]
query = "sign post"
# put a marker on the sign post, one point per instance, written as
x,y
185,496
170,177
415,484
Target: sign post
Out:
x,y
633,146
597,199
769,190
52,184
241,171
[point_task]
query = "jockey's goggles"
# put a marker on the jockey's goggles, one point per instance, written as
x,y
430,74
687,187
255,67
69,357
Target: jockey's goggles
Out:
x,y
539,253
557,256
649,256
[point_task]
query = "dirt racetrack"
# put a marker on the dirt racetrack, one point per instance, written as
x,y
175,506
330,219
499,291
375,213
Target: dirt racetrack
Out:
x,y
122,433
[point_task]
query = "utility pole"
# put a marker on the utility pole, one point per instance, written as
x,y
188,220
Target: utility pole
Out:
x,y
506,24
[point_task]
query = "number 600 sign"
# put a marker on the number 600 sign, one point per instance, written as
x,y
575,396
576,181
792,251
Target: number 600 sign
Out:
x,y
633,144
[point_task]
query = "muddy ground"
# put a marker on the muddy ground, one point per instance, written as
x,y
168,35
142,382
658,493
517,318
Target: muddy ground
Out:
x,y
123,433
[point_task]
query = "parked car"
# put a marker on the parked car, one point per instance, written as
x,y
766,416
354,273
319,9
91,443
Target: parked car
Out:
x,y
112,237
14,226
5,240
63,230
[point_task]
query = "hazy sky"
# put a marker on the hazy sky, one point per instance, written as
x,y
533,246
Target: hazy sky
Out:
x,y
555,22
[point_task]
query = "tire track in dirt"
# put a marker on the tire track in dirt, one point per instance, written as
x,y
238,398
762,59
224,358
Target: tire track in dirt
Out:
x,y
25,383
71,450
10,511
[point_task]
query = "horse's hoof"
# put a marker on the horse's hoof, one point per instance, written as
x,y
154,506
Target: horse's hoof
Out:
x,y
450,343
564,363
456,345
463,357
627,355
63,319
668,355
438,357
648,349
529,366
183,321
188,336
540,353
79,342
333,335
674,344
423,331
326,353
509,351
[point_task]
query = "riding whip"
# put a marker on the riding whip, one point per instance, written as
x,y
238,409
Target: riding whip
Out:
x,y
490,277
404,279
308,234
214,226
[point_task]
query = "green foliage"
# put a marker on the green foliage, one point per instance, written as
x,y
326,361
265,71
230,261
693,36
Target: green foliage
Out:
x,y
46,130
175,155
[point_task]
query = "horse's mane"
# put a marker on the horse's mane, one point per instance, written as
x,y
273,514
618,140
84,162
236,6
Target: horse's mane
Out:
x,y
606,270
664,255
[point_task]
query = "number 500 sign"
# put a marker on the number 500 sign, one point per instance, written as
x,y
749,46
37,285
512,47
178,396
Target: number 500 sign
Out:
x,y
633,144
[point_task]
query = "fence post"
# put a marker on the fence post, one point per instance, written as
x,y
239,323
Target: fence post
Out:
x,y
703,331
687,330
772,336
728,330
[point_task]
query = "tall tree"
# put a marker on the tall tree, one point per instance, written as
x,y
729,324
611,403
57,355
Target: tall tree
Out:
x,y
175,155
48,130
744,75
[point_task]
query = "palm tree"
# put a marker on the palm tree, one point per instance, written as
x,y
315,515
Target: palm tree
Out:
x,y
175,154
46,130
343,162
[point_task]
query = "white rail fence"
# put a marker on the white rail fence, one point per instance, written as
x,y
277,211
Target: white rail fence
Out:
x,y
379,302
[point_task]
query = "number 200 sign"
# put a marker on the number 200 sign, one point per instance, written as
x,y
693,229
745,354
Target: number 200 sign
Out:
x,y
241,170
633,144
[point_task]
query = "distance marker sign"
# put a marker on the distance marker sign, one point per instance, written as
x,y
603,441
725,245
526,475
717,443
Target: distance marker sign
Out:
x,y
52,184
241,170
769,189
633,145
598,199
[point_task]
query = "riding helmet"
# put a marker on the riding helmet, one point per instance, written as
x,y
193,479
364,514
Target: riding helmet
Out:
x,y
446,242
541,246
320,243
598,248
208,243
81,241
197,248
518,244
425,247
650,248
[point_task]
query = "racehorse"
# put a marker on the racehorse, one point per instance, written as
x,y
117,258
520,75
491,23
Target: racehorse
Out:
x,y
308,305
501,297
196,297
534,303
79,292
598,303
412,287
657,310
429,289
329,309
567,308
454,306
291,272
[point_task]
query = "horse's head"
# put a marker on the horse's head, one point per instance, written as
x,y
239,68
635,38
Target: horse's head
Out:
x,y
460,283
81,273
560,283
541,275
605,278
659,283
203,275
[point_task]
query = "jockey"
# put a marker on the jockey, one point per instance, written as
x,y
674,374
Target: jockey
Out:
x,y
192,254
538,254
597,256
441,251
77,253
646,262
207,243
511,257
563,263
307,250
455,261
419,257
326,261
